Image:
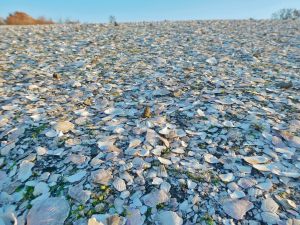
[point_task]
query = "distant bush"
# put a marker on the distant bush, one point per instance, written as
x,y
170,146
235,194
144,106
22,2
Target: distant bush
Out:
x,y
21,18
286,14
113,20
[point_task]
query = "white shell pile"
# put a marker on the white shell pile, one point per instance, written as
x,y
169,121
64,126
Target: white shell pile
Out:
x,y
163,123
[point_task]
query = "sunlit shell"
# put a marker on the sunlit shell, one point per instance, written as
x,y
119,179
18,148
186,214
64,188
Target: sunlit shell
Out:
x,y
210,158
164,161
256,159
51,133
119,184
227,177
64,126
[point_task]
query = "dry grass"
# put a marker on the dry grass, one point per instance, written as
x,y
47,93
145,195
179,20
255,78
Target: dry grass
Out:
x,y
20,18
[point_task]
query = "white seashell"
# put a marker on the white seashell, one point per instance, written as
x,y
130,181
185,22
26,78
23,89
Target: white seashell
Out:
x,y
51,133
108,219
256,159
262,167
227,177
212,61
169,218
41,150
210,158
64,126
157,181
82,112
178,150
200,113
93,221
228,124
119,184
165,131
101,176
164,161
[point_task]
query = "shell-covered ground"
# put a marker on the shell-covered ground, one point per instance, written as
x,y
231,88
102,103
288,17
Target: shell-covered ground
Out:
x,y
150,123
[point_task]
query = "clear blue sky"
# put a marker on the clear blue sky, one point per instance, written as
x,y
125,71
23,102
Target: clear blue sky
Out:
x,y
146,10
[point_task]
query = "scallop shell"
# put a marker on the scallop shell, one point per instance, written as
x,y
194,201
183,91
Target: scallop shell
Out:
x,y
64,126
51,133
164,161
210,158
227,177
119,184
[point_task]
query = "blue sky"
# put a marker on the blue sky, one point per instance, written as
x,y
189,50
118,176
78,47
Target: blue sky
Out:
x,y
146,10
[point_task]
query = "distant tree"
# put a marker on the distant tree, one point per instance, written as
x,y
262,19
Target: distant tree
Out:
x,y
286,14
69,21
21,18
113,20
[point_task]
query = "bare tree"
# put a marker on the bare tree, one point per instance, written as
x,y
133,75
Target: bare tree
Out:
x,y
286,14
113,20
